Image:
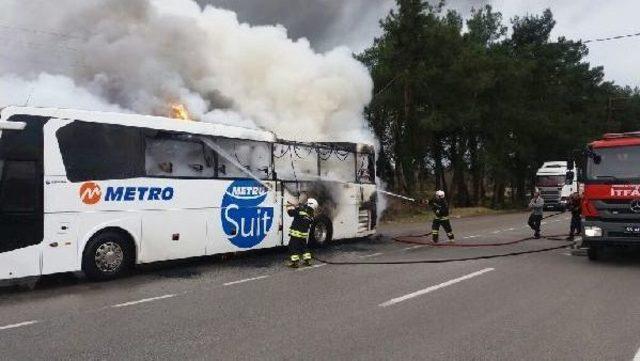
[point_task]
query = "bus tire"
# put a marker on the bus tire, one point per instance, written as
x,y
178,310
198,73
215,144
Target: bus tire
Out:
x,y
321,232
108,255
594,253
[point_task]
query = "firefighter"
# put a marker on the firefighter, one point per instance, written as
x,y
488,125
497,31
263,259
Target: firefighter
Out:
x,y
441,209
574,205
302,215
537,210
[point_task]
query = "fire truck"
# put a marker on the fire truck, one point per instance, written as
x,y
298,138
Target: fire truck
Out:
x,y
611,201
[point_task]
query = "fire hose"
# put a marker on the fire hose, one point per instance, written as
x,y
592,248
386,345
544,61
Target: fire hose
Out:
x,y
566,244
462,259
404,239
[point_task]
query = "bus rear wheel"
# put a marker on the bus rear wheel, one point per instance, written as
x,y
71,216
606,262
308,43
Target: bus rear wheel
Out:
x,y
321,232
108,255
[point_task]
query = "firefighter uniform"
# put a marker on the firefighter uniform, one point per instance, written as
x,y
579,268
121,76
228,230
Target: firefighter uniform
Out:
x,y
575,203
299,234
441,209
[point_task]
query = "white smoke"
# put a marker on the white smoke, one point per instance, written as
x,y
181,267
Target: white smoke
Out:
x,y
50,91
142,55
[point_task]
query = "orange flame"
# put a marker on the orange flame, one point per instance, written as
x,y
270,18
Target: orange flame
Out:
x,y
179,111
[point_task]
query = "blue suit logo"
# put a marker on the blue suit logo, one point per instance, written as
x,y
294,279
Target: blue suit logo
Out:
x,y
244,221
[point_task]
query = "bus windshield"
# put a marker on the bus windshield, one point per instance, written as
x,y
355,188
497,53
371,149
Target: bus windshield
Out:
x,y
618,163
550,180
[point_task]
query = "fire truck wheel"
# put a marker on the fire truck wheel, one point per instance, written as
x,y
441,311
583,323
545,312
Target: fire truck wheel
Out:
x,y
321,232
108,255
594,253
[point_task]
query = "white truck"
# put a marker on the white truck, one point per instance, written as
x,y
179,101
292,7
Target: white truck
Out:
x,y
552,183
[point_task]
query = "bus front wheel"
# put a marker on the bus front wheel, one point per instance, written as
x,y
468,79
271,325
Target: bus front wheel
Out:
x,y
108,255
321,232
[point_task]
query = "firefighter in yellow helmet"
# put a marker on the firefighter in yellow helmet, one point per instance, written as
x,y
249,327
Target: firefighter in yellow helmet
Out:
x,y
302,215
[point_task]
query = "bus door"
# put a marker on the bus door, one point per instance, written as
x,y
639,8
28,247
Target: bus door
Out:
x,y
274,236
21,197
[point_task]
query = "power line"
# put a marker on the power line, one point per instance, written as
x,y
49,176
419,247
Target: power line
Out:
x,y
39,32
611,38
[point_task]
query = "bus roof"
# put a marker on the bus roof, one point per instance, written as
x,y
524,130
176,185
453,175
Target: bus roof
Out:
x,y
611,140
144,121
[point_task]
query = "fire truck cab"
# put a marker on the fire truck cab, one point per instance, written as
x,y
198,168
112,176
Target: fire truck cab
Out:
x,y
611,200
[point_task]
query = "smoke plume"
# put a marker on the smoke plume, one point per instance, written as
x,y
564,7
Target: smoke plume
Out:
x,y
143,55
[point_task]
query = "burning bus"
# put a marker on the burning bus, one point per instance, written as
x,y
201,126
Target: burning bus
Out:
x,y
101,192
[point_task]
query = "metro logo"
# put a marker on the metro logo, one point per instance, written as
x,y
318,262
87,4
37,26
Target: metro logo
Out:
x,y
90,193
246,216
248,192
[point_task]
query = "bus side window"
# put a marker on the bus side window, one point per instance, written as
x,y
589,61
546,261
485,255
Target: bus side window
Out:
x,y
339,165
365,168
295,162
172,156
17,187
94,151
239,155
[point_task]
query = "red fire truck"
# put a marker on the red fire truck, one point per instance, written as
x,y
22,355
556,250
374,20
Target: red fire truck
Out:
x,y
611,199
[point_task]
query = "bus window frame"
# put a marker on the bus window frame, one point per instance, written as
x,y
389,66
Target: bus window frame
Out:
x,y
371,164
171,134
294,144
271,176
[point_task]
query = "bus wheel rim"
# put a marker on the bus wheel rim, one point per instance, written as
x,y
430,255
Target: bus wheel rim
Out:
x,y
109,257
320,233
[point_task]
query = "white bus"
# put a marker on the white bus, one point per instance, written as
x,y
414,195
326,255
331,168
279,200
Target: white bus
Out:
x,y
101,192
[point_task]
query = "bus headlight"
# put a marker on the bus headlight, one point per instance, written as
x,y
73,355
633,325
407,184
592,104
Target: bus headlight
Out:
x,y
592,231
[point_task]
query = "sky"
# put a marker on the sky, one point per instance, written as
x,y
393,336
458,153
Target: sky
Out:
x,y
354,23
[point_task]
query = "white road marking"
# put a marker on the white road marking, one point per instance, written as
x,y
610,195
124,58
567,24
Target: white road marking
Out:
x,y
144,300
245,280
637,356
372,255
312,267
16,325
413,247
511,229
545,222
434,288
496,232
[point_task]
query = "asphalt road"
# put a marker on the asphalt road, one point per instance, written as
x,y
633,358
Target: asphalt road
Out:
x,y
540,306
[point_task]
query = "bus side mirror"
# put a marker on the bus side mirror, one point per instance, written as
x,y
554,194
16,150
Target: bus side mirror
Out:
x,y
570,165
570,176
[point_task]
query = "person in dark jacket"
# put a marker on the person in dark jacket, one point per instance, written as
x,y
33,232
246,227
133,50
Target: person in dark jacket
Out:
x,y
302,215
441,210
537,211
575,207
